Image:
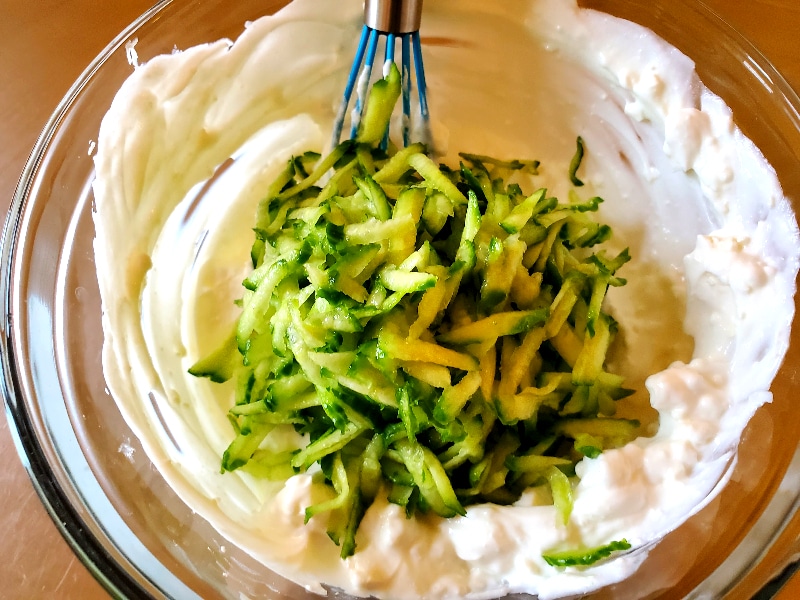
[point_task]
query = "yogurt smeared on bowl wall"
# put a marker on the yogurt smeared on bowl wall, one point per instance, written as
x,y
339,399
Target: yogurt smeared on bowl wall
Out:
x,y
703,321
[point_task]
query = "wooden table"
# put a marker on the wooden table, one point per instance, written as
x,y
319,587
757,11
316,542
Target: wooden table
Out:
x,y
44,46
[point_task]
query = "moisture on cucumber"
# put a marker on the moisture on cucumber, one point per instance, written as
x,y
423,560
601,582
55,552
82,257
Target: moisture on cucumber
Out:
x,y
435,334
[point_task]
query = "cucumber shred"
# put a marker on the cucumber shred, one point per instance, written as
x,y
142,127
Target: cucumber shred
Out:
x,y
586,556
434,335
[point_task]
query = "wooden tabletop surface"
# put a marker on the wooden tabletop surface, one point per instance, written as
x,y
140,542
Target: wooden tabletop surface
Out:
x,y
44,47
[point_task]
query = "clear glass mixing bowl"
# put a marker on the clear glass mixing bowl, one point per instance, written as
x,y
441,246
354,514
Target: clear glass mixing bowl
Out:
x,y
125,523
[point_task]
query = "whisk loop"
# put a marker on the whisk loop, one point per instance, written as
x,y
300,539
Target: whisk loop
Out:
x,y
389,19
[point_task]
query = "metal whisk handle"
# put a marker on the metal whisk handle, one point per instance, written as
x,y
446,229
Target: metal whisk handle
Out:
x,y
393,16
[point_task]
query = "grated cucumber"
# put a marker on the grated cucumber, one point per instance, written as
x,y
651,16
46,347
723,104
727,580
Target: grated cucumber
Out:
x,y
436,335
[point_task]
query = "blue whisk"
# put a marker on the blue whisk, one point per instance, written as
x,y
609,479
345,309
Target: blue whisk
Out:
x,y
391,19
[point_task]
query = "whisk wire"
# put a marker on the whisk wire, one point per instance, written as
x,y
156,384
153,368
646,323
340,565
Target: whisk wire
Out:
x,y
361,72
363,81
351,82
422,89
390,38
406,86
389,58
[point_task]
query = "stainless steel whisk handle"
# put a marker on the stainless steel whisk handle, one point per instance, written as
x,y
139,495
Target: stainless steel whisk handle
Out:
x,y
393,16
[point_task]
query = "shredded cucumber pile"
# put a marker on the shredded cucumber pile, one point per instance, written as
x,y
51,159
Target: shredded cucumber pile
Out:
x,y
436,335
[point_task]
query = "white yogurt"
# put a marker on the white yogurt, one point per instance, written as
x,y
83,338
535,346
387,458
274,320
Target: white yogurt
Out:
x,y
714,242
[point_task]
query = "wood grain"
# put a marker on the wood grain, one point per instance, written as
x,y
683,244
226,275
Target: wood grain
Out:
x,y
772,26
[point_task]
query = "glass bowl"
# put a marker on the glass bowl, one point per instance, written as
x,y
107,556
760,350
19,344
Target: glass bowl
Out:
x,y
128,527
